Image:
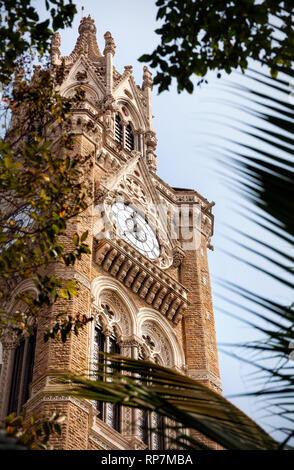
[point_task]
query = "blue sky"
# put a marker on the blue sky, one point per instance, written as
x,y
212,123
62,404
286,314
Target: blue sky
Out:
x,y
190,131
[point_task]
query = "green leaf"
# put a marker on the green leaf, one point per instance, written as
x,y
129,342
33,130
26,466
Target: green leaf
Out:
x,y
84,236
76,239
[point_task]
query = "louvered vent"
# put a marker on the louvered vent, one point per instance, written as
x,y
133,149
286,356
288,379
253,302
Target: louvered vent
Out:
x,y
118,130
129,138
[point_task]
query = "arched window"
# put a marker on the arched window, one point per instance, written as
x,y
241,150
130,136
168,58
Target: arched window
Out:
x,y
129,138
118,131
22,373
107,412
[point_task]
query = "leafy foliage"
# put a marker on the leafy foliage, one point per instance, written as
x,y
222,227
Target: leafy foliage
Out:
x,y
33,432
65,324
41,191
197,36
21,29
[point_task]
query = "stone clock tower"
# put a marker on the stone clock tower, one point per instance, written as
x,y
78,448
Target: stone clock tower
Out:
x,y
146,282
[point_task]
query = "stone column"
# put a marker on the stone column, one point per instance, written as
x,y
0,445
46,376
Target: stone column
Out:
x,y
109,52
9,342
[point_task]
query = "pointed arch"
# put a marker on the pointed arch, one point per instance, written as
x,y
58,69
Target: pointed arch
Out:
x,y
26,285
91,94
134,117
166,343
110,291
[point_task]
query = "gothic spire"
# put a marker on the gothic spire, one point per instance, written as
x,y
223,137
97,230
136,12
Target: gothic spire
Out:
x,y
86,42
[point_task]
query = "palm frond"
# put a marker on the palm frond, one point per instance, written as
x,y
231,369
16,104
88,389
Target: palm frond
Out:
x,y
263,173
151,387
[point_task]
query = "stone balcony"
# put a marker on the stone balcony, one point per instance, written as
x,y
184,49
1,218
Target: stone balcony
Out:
x,y
137,273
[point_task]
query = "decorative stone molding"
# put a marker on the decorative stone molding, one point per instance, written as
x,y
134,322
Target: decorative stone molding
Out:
x,y
129,94
45,396
136,189
167,350
157,344
149,342
10,339
93,437
135,443
151,142
205,375
108,437
161,292
130,346
81,76
128,69
108,162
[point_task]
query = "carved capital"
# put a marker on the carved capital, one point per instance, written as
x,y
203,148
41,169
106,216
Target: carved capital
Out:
x,y
10,339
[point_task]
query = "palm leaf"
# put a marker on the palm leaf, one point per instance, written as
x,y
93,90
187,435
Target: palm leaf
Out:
x,y
151,387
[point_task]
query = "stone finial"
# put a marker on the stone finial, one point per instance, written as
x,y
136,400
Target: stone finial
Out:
x,y
209,206
109,44
147,78
128,69
55,49
87,25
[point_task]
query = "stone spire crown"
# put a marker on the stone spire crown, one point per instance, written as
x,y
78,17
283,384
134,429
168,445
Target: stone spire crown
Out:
x,y
87,42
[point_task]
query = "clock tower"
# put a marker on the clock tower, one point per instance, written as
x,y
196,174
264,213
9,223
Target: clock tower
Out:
x,y
146,282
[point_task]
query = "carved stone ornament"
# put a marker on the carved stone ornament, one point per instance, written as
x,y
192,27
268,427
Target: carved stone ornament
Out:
x,y
114,312
178,255
151,142
150,343
136,189
157,344
81,76
10,339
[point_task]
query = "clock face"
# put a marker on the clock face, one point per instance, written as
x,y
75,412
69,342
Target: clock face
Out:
x,y
132,226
